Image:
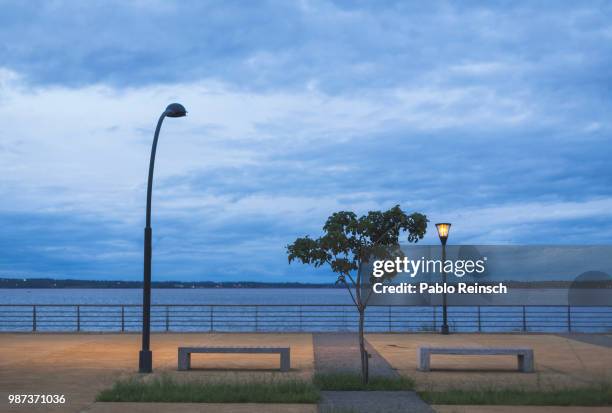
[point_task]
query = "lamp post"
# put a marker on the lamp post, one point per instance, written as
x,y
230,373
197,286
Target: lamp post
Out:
x,y
145,363
443,230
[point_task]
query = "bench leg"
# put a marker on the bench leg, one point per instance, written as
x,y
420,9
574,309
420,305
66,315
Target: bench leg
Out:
x,y
525,363
184,361
285,361
424,357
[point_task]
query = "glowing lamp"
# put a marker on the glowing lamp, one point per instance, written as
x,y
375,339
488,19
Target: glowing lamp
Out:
x,y
443,230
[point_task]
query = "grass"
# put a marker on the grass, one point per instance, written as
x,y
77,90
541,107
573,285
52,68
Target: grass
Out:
x,y
600,395
165,389
352,381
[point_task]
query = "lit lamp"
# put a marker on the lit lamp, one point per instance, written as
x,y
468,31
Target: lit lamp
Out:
x,y
443,230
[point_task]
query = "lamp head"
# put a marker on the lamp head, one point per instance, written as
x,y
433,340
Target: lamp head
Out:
x,y
443,230
175,110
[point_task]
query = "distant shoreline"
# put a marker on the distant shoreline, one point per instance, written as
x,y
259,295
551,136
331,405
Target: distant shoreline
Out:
x,y
50,283
7,283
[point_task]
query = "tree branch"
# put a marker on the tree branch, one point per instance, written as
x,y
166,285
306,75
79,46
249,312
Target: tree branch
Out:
x,y
358,288
351,293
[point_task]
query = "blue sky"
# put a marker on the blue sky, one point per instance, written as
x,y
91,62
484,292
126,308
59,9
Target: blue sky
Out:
x,y
494,116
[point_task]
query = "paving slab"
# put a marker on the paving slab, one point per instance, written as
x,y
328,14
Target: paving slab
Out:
x,y
373,402
334,352
604,340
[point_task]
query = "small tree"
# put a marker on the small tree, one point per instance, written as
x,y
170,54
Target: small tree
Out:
x,y
350,244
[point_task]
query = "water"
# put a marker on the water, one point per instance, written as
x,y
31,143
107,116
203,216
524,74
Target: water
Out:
x,y
269,309
177,296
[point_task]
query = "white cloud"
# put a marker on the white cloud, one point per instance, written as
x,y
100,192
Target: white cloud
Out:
x,y
86,149
509,221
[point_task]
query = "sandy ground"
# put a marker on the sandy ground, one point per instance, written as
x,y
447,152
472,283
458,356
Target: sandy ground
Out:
x,y
559,362
80,365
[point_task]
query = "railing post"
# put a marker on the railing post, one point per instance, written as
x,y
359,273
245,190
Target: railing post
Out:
x,y
301,328
256,318
122,318
33,318
524,319
78,317
167,318
479,323
212,319
569,319
434,318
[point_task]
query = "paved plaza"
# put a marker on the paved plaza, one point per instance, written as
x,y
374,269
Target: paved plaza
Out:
x,y
80,365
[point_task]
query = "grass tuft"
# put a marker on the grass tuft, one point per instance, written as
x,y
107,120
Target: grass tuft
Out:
x,y
600,395
352,381
165,389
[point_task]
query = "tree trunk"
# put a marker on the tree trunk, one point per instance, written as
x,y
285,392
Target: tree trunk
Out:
x,y
362,350
361,308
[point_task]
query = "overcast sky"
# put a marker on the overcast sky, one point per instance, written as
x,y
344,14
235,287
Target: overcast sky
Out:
x,y
495,117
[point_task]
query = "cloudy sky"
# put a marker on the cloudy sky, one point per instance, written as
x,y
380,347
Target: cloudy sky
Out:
x,y
493,116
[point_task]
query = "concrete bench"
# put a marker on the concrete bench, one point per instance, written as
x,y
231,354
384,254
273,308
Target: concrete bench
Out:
x,y
524,355
184,354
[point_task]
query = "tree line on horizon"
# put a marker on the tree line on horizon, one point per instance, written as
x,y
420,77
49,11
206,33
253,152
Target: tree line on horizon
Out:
x,y
75,283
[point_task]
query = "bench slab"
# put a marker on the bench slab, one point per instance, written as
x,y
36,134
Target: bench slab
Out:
x,y
524,355
184,354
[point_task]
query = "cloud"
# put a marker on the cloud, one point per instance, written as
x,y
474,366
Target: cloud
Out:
x,y
494,118
551,222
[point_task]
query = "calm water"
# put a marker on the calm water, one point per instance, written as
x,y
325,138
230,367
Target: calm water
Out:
x,y
177,296
289,296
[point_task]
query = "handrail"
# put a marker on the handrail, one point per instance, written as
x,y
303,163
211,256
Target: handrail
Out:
x,y
298,305
302,318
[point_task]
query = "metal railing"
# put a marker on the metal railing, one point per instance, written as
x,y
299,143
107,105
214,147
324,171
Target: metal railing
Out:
x,y
301,318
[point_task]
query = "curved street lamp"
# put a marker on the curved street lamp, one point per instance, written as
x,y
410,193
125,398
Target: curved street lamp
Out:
x,y
443,230
145,364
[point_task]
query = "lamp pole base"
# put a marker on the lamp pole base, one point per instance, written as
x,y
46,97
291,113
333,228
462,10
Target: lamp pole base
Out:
x,y
444,330
145,364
